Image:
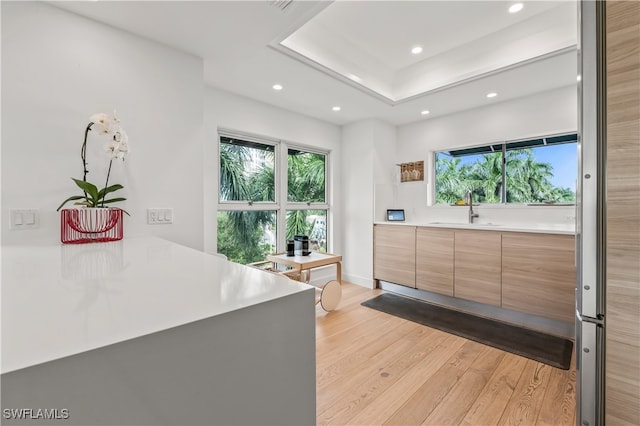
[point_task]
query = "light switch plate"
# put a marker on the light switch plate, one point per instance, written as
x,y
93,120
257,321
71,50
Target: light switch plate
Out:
x,y
22,219
159,216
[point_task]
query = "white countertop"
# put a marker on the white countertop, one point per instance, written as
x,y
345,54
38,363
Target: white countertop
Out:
x,y
540,228
61,300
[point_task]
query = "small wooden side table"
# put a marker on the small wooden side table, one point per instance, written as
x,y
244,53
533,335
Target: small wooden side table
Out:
x,y
329,294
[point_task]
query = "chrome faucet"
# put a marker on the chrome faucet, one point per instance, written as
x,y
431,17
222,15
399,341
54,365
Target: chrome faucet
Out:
x,y
472,214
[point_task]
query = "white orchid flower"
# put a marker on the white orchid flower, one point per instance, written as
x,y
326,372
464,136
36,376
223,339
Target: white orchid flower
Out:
x,y
104,124
120,136
119,147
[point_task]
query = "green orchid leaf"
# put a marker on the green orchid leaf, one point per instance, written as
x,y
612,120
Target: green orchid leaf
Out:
x,y
112,200
103,192
89,188
75,197
115,200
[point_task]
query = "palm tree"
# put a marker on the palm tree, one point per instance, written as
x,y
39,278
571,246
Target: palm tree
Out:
x,y
527,179
485,179
233,182
305,177
450,180
297,223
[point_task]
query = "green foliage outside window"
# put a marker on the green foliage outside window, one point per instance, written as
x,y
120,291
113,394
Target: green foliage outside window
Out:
x,y
247,174
527,180
239,239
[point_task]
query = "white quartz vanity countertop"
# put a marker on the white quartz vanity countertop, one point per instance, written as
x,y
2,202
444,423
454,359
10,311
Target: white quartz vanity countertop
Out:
x,y
542,228
61,300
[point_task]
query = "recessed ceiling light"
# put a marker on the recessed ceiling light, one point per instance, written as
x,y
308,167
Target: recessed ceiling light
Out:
x,y
579,78
515,8
492,95
416,50
354,77
425,112
277,87
336,108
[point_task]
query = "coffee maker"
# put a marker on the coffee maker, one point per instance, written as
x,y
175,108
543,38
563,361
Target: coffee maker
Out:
x,y
301,245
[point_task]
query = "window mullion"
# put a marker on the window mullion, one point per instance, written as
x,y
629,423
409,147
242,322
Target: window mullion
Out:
x,y
281,197
246,206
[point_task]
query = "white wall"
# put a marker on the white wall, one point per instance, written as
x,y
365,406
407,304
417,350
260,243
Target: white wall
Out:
x,y
545,113
229,111
368,146
57,70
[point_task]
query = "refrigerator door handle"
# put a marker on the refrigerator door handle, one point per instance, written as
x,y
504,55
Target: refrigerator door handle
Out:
x,y
597,321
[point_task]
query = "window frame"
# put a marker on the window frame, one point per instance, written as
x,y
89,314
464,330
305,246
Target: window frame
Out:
x,y
281,204
503,147
301,205
254,205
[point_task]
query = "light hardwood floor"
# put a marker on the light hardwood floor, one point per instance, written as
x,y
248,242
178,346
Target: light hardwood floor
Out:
x,y
374,369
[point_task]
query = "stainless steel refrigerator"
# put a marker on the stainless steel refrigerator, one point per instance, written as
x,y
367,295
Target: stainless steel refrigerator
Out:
x,y
590,216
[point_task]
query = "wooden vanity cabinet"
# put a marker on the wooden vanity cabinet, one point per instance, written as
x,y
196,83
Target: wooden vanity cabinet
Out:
x,y
394,256
521,271
478,264
434,260
539,274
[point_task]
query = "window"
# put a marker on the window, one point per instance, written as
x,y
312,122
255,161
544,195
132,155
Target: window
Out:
x,y
306,191
247,171
246,236
312,223
259,206
540,170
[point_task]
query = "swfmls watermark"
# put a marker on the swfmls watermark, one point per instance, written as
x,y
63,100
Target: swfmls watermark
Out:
x,y
35,413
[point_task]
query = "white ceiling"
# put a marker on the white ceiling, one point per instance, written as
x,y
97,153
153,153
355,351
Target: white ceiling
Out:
x,y
470,48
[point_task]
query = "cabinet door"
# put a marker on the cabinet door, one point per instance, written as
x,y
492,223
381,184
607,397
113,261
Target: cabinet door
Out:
x,y
539,274
434,260
394,257
622,342
478,266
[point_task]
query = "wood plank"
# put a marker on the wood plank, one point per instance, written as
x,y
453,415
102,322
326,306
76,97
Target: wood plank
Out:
x,y
434,260
374,387
490,405
462,396
526,402
394,255
622,394
478,266
539,274
351,354
435,389
387,366
396,395
558,406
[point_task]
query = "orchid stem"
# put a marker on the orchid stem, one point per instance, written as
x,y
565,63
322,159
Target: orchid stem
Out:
x,y
83,154
107,182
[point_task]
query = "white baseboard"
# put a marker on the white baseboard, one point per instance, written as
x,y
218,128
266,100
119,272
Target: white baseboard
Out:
x,y
321,276
359,280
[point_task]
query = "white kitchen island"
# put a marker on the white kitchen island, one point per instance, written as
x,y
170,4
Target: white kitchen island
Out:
x,y
144,331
